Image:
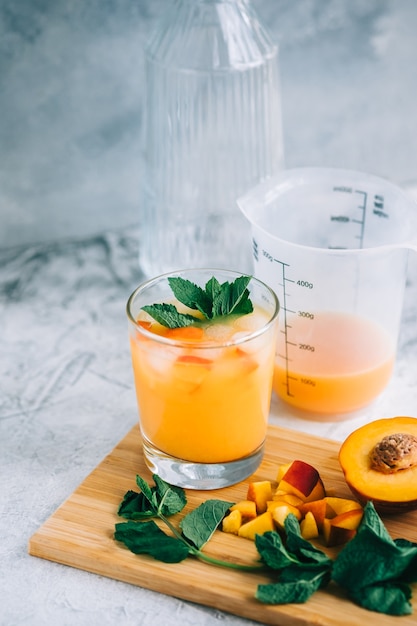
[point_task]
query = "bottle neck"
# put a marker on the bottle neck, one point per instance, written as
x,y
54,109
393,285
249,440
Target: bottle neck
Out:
x,y
208,35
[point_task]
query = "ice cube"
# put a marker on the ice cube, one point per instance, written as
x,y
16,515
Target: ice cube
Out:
x,y
219,332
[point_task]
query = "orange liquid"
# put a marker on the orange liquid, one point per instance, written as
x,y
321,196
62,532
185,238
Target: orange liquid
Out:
x,y
203,403
336,363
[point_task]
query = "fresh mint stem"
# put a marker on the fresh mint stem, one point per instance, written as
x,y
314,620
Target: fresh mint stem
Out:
x,y
201,555
228,564
172,528
165,500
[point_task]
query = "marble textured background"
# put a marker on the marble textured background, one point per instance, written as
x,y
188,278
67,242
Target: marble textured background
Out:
x,y
72,88
71,154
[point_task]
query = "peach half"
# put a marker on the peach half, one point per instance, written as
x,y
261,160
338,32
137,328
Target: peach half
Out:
x,y
379,462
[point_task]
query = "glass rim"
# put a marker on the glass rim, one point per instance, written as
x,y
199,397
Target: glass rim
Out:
x,y
201,345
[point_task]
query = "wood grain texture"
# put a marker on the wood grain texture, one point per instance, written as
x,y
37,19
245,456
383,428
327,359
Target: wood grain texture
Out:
x,y
80,534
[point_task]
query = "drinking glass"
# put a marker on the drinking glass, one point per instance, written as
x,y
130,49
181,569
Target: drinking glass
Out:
x,y
203,395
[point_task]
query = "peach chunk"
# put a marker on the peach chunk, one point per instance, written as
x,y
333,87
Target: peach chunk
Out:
x,y
303,480
232,522
279,493
341,528
247,509
280,512
258,526
336,505
291,498
308,526
281,471
260,492
318,508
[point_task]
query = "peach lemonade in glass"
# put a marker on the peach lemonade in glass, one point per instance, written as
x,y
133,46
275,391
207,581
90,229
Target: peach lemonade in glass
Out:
x,y
203,347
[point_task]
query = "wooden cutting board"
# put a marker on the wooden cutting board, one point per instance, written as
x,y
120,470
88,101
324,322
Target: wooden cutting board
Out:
x,y
80,534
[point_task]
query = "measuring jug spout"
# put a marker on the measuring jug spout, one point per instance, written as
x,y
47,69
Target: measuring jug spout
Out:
x,y
333,244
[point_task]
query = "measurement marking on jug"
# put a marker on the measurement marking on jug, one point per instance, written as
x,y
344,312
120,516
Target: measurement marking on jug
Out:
x,y
308,381
255,250
306,314
379,207
340,218
287,285
361,221
306,346
286,325
266,254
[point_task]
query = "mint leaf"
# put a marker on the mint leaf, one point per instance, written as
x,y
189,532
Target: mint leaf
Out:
x,y
164,499
148,538
315,577
213,288
272,550
303,550
295,585
233,298
304,568
161,501
372,522
374,569
167,315
297,552
148,493
215,300
135,506
410,572
372,557
386,597
193,296
199,525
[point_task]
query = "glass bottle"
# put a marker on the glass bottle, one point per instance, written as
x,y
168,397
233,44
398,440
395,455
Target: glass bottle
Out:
x,y
212,131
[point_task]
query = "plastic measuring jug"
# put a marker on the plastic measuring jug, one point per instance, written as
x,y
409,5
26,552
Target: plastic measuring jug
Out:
x,y
333,244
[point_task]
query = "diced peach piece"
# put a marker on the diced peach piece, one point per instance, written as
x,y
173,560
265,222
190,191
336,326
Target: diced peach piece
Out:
x,y
291,498
194,359
279,493
283,496
232,522
349,519
341,528
146,324
303,480
281,471
335,536
152,327
260,492
246,361
308,526
272,504
281,511
247,509
185,333
258,526
318,492
336,505
189,371
318,508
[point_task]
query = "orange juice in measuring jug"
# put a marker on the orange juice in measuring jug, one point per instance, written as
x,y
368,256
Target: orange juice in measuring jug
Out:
x,y
333,244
